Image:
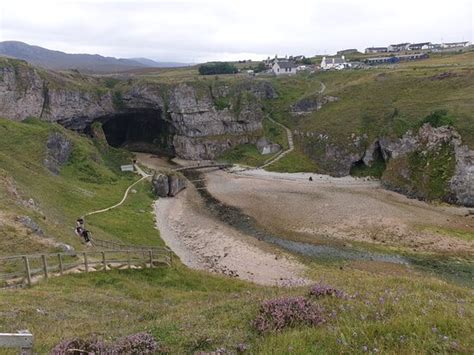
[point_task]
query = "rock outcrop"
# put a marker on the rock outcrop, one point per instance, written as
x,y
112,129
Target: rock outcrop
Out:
x,y
58,151
265,147
431,164
168,183
311,104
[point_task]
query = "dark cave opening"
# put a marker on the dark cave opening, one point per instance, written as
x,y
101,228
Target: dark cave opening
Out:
x,y
139,130
375,168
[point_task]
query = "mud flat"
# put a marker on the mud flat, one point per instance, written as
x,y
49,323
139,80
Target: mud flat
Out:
x,y
342,210
202,242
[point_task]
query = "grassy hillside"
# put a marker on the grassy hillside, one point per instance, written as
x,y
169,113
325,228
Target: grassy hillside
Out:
x,y
385,308
90,180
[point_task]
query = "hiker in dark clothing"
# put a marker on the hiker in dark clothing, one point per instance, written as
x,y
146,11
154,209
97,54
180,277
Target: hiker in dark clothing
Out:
x,y
310,178
86,236
79,227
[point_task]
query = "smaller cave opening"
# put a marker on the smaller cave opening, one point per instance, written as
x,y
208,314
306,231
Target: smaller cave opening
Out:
x,y
374,167
139,130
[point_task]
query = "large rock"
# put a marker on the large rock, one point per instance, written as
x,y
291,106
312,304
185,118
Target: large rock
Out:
x,y
58,151
431,164
266,147
168,183
311,104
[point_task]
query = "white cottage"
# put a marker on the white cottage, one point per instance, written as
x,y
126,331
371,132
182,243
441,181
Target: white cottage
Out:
x,y
284,68
337,63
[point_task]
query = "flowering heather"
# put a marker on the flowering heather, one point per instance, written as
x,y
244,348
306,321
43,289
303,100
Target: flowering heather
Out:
x,y
321,290
90,346
140,343
287,312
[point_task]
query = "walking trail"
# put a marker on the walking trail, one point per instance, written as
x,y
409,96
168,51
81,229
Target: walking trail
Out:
x,y
289,135
144,176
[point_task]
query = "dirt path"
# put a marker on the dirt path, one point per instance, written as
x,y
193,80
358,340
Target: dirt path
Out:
x,y
283,153
125,195
344,209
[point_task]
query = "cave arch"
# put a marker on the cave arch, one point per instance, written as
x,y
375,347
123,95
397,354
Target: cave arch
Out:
x,y
142,130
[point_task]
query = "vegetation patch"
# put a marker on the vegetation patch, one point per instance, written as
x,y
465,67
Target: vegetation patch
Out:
x,y
217,68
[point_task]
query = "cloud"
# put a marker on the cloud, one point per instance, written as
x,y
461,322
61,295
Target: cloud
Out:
x,y
200,30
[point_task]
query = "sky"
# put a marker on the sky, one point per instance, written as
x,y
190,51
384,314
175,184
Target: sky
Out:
x,y
194,31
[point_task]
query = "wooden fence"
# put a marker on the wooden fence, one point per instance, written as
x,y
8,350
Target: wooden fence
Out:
x,y
24,270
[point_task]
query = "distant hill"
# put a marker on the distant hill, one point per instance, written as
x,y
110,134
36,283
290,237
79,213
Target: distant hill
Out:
x,y
57,60
154,64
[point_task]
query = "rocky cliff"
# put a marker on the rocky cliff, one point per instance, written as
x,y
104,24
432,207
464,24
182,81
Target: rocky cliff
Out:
x,y
203,118
429,164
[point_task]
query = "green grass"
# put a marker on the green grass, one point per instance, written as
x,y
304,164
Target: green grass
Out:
x,y
294,162
87,182
248,154
188,311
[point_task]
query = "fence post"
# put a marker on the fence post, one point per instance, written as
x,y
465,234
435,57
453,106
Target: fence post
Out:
x,y
45,266
86,264
128,260
28,271
60,260
150,255
103,261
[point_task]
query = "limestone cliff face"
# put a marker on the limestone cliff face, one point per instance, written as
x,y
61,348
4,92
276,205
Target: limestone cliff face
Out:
x,y
430,164
206,119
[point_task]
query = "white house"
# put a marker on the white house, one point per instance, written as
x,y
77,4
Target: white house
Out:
x,y
337,63
284,68
376,50
420,46
456,44
398,47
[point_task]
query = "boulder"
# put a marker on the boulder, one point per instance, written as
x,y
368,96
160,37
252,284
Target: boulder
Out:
x,y
58,151
265,147
168,183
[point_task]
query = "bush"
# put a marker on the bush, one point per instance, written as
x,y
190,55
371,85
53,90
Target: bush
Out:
x,y
140,343
438,118
217,68
287,312
321,290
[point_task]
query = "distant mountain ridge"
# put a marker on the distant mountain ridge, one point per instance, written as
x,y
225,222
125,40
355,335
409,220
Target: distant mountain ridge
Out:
x,y
57,60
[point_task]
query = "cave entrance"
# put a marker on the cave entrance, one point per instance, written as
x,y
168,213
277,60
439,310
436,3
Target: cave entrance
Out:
x,y
374,167
139,130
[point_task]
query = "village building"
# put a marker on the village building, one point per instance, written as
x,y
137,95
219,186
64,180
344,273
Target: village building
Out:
x,y
398,47
456,44
347,51
284,67
336,63
376,50
395,59
421,46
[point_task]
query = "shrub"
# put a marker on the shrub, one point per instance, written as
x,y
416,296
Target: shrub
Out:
x,y
78,346
321,290
140,343
287,312
438,118
217,68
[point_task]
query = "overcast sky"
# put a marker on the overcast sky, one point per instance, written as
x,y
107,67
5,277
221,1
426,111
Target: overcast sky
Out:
x,y
202,30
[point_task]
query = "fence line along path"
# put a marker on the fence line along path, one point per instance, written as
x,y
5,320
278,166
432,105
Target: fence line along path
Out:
x,y
24,270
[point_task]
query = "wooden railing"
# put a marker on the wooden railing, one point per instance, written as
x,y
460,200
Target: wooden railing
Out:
x,y
109,244
24,270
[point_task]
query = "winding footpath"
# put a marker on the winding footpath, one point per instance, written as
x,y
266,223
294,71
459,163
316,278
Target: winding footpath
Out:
x,y
289,134
144,176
